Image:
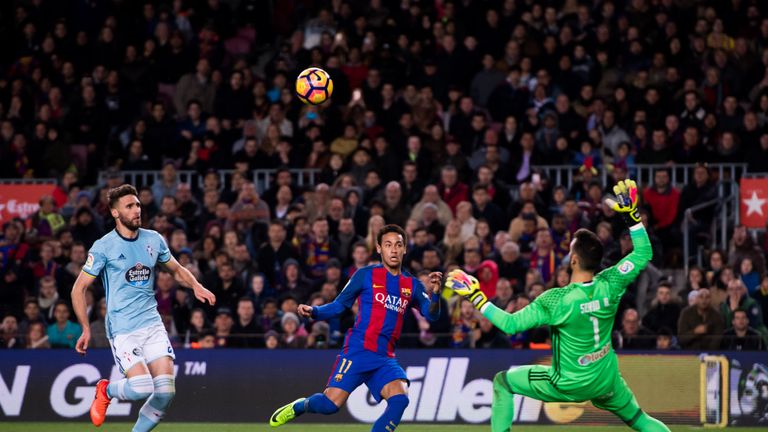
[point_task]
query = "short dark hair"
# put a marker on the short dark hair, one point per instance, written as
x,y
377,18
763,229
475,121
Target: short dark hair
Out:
x,y
115,194
739,310
589,249
391,228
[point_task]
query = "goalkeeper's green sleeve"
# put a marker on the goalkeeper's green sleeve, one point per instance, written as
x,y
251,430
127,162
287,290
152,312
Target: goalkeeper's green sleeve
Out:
x,y
532,316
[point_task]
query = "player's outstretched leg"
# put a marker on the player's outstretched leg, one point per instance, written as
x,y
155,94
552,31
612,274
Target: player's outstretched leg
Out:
x,y
389,420
503,406
135,388
531,381
155,407
622,402
317,403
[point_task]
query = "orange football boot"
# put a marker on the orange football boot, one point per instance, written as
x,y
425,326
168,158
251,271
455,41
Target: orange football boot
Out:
x,y
100,403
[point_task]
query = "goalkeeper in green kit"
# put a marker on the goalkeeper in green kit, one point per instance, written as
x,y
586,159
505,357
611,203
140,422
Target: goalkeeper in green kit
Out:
x,y
580,317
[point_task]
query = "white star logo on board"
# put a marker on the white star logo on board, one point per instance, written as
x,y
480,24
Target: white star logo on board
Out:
x,y
754,204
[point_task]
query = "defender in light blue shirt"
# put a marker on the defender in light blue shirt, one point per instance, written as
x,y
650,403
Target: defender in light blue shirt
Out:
x,y
126,267
125,259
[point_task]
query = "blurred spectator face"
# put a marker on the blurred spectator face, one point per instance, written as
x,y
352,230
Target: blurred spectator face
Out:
x,y
320,229
236,81
271,342
529,226
409,173
740,321
726,275
168,205
543,239
145,197
346,226
663,342
739,234
289,305
630,322
207,342
372,180
203,68
703,299
226,273
463,211
691,101
736,288
484,175
197,319
429,214
472,258
164,282
510,251
727,142
526,142
328,291
10,325
336,209
223,323
360,255
276,233
503,290
535,290
241,254
570,209
245,310
691,136
663,294
603,232
746,266
178,240
333,274
290,326
257,285
449,177
700,175
661,179
61,313
431,195
430,259
420,238
47,287
467,310
31,311
715,261
269,310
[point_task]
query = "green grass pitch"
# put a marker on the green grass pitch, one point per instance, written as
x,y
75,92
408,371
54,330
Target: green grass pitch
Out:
x,y
239,427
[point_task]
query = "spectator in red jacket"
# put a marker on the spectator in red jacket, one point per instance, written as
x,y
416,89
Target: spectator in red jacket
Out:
x,y
452,191
663,199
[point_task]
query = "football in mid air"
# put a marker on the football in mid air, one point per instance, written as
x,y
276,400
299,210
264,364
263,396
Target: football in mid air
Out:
x,y
314,86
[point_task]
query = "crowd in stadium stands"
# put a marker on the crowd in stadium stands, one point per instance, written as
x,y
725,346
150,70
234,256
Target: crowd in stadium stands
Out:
x,y
441,111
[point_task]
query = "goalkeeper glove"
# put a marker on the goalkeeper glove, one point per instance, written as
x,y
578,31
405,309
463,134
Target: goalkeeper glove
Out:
x,y
626,201
467,286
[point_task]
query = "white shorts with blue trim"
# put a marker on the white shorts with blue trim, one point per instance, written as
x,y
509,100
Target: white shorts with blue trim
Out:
x,y
141,346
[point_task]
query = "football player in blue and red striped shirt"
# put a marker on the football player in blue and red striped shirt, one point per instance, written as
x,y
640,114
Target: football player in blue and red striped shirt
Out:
x,y
383,293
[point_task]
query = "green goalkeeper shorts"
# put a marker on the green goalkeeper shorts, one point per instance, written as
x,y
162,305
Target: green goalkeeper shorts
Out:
x,y
533,381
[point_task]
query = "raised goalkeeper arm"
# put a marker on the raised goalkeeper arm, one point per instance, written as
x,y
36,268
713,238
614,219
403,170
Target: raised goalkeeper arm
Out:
x,y
627,269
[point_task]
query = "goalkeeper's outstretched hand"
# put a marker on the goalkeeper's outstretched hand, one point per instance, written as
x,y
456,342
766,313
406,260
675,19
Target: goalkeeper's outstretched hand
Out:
x,y
467,286
626,201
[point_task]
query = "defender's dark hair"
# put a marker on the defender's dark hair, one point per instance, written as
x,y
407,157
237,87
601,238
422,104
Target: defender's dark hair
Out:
x,y
115,194
589,249
391,229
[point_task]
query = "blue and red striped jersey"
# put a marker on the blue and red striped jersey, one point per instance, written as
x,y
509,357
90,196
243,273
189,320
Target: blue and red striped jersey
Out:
x,y
383,300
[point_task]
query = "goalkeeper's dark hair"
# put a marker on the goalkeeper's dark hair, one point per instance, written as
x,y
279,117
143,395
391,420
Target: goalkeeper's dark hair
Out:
x,y
589,249
391,228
